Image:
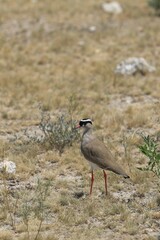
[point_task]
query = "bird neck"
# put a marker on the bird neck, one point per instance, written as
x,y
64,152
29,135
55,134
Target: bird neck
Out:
x,y
87,130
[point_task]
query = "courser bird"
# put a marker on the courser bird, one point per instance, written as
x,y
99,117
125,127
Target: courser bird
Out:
x,y
97,154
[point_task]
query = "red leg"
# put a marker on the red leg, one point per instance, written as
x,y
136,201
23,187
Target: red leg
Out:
x,y
105,180
92,180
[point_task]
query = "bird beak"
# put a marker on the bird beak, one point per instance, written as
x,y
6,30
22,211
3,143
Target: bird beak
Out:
x,y
78,126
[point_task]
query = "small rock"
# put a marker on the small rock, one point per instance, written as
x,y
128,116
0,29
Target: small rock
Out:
x,y
8,166
112,7
81,43
92,28
134,65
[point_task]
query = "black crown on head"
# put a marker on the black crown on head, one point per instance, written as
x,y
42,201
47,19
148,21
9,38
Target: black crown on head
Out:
x,y
84,121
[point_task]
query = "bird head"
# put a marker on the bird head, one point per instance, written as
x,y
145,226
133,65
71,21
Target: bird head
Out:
x,y
85,123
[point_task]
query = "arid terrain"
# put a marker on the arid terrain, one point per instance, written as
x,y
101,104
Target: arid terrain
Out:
x,y
59,58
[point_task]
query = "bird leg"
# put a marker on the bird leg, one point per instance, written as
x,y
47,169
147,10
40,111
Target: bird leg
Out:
x,y
92,180
105,180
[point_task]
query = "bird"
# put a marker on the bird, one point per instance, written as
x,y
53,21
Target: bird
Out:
x,y
97,153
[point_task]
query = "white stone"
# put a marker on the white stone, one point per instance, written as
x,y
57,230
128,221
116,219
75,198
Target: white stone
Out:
x,y
92,28
134,65
81,43
8,166
112,7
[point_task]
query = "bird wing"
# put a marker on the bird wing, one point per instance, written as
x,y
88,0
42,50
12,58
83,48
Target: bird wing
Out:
x,y
95,151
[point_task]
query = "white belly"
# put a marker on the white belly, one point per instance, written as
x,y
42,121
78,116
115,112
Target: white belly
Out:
x,y
93,166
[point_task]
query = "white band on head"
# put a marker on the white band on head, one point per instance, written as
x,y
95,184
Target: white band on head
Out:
x,y
86,120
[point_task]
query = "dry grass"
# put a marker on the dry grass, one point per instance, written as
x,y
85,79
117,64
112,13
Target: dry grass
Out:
x,y
48,54
5,235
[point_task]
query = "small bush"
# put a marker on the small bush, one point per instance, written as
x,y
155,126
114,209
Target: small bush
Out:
x,y
26,205
59,134
156,5
149,149
35,206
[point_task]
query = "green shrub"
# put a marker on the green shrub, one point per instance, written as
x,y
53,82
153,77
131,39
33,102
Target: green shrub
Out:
x,y
156,5
149,149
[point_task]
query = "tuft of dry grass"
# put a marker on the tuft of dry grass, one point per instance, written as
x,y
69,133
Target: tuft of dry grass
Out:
x,y
6,235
